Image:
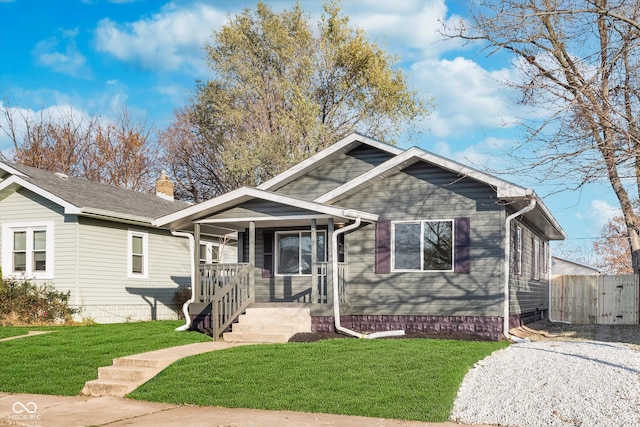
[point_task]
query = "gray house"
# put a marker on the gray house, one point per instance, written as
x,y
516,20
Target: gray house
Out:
x,y
97,242
367,237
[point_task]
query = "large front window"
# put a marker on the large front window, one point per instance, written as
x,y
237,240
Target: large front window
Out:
x,y
293,252
423,246
28,249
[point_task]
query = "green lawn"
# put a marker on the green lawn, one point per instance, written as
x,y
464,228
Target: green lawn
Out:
x,y
61,362
414,379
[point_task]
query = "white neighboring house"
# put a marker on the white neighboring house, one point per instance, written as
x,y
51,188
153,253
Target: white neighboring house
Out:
x,y
97,242
567,267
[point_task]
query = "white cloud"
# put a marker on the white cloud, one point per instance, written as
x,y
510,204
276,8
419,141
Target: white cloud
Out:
x,y
168,40
601,212
467,97
62,59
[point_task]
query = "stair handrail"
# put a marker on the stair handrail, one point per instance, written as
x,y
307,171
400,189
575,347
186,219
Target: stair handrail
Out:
x,y
237,305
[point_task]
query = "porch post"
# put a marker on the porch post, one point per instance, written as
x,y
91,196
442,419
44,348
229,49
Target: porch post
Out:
x,y
314,260
329,277
196,261
252,252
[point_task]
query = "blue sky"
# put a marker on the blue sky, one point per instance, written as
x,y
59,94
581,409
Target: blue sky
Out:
x,y
98,56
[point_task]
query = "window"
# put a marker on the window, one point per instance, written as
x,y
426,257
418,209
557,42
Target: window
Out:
x,y
138,249
29,249
535,258
423,245
209,253
293,252
517,265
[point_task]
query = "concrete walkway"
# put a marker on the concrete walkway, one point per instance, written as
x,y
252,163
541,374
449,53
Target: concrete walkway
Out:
x,y
57,411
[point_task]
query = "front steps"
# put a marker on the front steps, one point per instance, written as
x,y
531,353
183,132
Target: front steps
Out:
x,y
266,324
128,373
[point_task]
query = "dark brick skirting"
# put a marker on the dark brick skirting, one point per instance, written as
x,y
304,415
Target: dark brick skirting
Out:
x,y
478,326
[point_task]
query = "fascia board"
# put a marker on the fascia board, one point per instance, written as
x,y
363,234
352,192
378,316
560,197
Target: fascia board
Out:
x,y
11,170
245,193
69,208
302,167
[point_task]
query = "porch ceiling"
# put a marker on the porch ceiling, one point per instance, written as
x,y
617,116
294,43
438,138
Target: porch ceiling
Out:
x,y
242,224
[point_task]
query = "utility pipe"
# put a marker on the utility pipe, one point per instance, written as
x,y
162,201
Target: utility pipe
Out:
x,y
336,296
507,256
185,306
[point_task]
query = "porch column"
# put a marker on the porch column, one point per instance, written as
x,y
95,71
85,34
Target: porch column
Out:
x,y
252,252
314,260
196,260
329,277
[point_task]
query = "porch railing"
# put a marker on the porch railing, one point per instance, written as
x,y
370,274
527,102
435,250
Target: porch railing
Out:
x,y
323,282
230,291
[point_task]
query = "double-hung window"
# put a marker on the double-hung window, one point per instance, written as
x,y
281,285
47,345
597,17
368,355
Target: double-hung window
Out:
x,y
293,251
423,245
138,255
518,251
28,249
209,253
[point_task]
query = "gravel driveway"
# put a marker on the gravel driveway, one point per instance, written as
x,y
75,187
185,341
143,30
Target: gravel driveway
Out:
x,y
562,378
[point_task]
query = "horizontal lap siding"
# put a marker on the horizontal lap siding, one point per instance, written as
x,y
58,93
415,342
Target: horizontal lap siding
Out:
x,y
342,168
527,295
103,266
25,206
424,192
261,208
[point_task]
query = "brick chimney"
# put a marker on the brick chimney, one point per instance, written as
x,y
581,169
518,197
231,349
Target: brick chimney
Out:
x,y
164,187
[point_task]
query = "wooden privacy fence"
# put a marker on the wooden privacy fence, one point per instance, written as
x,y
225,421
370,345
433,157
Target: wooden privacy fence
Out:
x,y
601,300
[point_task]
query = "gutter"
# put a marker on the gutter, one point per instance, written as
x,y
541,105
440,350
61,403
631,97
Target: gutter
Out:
x,y
336,297
507,256
185,306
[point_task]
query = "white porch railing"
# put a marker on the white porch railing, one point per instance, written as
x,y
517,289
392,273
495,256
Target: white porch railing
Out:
x,y
323,290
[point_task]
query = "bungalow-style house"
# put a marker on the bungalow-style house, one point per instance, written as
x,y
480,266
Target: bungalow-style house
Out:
x,y
368,237
97,242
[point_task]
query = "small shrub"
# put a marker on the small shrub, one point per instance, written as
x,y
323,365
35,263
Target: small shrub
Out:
x,y
24,302
179,298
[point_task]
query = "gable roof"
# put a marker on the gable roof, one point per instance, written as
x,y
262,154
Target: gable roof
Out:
x,y
183,218
86,198
324,156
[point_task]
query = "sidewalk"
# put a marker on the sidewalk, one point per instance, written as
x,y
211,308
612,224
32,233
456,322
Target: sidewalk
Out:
x,y
61,411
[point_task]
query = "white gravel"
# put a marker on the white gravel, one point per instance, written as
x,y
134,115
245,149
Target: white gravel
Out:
x,y
553,383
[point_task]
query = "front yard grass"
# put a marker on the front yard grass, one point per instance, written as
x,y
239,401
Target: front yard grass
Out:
x,y
413,379
60,363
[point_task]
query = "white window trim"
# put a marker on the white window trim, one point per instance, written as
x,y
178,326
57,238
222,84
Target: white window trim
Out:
x,y
209,255
7,249
276,252
518,250
536,259
145,255
421,222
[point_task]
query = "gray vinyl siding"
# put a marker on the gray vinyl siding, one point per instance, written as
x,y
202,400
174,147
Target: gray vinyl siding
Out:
x,y
341,169
260,209
103,264
527,294
24,206
424,192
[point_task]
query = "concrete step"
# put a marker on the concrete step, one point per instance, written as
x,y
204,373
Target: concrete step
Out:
x,y
264,337
277,314
108,388
137,362
126,373
266,327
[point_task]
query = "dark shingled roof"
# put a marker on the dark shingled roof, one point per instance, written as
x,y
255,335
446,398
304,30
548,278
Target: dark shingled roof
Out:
x,y
86,194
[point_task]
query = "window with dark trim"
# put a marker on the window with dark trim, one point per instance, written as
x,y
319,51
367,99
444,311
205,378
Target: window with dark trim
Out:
x,y
423,245
293,251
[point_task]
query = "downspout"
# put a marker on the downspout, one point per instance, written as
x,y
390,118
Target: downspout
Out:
x,y
185,306
507,256
550,280
336,297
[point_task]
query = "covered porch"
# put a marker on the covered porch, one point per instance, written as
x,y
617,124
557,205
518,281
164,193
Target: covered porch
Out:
x,y
290,252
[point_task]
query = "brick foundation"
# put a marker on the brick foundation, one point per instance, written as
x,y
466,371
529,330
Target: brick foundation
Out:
x,y
478,326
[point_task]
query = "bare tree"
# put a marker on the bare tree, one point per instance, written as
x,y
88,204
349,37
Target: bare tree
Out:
x,y
579,63
118,153
613,252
